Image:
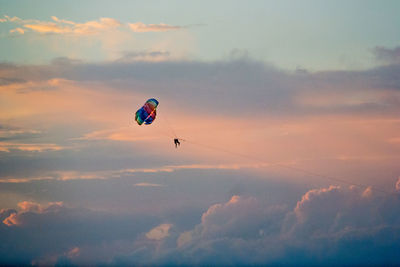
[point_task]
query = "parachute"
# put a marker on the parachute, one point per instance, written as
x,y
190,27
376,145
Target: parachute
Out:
x,y
147,113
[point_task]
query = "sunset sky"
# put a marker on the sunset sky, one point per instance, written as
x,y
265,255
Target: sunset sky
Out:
x,y
288,113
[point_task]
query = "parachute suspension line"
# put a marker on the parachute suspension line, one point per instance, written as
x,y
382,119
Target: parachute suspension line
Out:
x,y
291,168
170,127
165,134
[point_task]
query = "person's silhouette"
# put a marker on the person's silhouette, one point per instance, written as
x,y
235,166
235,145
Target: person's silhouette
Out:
x,y
176,142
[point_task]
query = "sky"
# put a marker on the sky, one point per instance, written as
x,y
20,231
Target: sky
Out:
x,y
288,115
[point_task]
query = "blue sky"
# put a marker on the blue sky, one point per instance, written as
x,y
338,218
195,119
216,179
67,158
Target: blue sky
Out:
x,y
287,111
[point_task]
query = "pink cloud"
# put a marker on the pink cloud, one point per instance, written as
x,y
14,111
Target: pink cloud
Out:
x,y
16,219
160,232
74,252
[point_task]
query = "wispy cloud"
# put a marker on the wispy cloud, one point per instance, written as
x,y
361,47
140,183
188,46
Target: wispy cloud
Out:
x,y
132,56
162,27
62,26
148,185
38,147
115,174
17,31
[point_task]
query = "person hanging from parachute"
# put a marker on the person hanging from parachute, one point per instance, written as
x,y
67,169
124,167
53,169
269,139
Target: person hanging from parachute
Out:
x,y
147,114
176,142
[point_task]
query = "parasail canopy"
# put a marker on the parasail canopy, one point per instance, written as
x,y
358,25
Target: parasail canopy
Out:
x,y
147,113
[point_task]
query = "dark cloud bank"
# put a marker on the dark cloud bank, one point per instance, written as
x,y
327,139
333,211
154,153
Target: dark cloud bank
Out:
x,y
240,86
327,226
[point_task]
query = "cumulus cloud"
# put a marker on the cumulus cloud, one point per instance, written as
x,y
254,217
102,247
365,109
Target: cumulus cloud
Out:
x,y
159,232
232,218
81,234
319,230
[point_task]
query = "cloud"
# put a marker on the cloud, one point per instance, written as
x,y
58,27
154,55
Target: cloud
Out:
x,y
144,56
8,81
12,133
114,174
5,213
69,27
159,232
62,26
28,207
141,27
387,55
270,90
88,107
79,233
148,185
17,31
9,147
319,229
18,20
233,218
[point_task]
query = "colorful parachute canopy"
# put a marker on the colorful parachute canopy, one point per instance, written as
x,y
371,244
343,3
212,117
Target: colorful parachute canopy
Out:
x,y
147,113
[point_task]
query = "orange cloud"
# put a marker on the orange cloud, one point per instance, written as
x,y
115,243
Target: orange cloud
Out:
x,y
48,28
30,206
12,220
64,26
61,26
18,31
